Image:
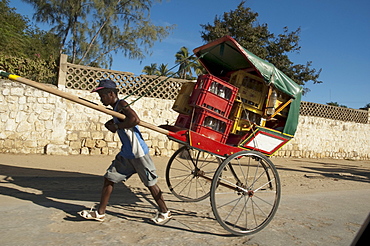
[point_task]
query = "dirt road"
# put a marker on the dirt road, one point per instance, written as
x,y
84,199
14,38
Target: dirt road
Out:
x,y
324,202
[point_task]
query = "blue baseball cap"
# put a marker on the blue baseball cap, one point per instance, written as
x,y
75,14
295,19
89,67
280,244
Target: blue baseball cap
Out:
x,y
105,83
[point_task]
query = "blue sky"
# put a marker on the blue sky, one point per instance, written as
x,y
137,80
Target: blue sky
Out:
x,y
335,36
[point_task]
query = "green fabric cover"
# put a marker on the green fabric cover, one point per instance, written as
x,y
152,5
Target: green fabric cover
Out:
x,y
225,55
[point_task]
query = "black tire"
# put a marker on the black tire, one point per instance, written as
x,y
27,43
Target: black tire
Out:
x,y
245,193
189,173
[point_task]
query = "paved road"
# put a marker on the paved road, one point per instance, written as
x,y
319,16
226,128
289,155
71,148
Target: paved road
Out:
x,y
38,207
325,218
331,218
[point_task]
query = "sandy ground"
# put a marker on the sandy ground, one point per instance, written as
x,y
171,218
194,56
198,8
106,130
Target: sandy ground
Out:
x,y
324,202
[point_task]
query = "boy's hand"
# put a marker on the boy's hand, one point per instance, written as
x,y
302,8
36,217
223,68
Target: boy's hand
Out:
x,y
111,126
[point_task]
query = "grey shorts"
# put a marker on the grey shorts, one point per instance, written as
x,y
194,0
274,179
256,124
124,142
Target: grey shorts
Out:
x,y
121,169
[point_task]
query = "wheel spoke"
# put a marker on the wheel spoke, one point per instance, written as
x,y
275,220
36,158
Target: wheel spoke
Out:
x,y
185,171
181,183
263,200
259,188
186,165
245,192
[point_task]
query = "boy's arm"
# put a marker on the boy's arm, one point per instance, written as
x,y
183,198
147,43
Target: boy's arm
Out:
x,y
131,118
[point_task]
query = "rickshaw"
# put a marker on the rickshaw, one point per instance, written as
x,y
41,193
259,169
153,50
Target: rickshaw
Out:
x,y
230,122
254,108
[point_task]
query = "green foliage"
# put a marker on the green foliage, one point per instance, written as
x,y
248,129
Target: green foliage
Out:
x,y
242,25
367,106
26,51
43,71
12,26
185,61
91,31
42,44
187,64
19,39
162,70
336,104
150,70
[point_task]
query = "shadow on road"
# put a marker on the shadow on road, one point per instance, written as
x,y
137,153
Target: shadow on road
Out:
x,y
65,191
338,171
47,187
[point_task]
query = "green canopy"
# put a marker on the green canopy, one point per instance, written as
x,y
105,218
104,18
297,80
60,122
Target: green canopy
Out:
x,y
225,55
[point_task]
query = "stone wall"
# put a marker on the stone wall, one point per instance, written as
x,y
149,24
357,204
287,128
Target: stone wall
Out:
x,y
33,121
327,138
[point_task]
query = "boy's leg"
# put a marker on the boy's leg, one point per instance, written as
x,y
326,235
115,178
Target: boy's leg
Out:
x,y
145,168
105,195
158,197
118,171
163,215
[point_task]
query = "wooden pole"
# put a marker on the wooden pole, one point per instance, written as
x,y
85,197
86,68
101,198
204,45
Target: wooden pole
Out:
x,y
78,100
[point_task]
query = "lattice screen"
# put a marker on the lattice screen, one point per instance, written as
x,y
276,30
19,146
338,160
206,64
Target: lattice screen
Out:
x,y
332,112
86,78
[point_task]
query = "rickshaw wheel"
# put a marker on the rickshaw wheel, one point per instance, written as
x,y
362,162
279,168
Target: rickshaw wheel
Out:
x,y
245,192
189,173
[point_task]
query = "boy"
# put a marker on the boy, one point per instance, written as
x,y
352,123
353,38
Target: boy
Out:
x,y
133,158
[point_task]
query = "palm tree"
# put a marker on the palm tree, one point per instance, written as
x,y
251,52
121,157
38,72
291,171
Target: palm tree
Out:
x,y
186,63
150,70
198,68
164,71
